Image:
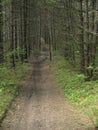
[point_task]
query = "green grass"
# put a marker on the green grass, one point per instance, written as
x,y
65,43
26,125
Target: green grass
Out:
x,y
81,93
10,79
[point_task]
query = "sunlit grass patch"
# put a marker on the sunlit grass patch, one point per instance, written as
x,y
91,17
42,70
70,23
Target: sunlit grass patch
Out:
x,y
81,93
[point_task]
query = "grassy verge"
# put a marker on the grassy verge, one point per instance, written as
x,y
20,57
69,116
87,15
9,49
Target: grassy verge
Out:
x,y
10,79
81,93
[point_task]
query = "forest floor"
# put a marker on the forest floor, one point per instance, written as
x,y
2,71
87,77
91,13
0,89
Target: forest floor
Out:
x,y
41,105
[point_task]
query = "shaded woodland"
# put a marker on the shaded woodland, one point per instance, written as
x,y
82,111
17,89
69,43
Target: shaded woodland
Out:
x,y
66,25
67,30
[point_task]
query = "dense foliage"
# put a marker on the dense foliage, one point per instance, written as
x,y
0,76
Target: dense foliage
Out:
x,y
70,26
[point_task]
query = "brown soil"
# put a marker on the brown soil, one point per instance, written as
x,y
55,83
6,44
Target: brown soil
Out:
x,y
41,104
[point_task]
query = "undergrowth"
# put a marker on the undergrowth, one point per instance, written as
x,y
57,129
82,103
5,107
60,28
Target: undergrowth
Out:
x,y
10,79
81,93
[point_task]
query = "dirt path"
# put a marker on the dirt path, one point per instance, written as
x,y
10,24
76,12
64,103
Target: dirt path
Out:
x,y
41,104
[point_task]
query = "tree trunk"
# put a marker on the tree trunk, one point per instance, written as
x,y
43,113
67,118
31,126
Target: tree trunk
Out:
x,y
1,34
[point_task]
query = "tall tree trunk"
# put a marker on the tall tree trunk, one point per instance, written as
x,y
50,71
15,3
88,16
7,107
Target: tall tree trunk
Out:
x,y
12,34
25,27
16,44
86,38
82,59
1,34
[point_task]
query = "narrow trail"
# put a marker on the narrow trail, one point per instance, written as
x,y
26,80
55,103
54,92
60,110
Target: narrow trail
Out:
x,y
41,104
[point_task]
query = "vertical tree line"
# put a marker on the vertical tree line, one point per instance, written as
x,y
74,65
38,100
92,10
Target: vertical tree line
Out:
x,y
16,33
75,25
66,25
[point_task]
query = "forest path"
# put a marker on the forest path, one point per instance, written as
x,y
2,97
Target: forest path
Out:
x,y
41,104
